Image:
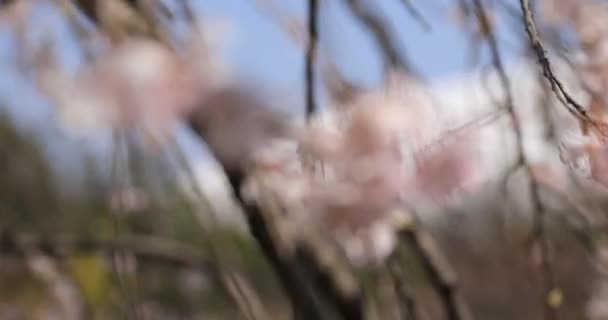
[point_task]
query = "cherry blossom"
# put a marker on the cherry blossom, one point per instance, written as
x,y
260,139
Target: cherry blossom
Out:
x,y
139,83
583,145
381,152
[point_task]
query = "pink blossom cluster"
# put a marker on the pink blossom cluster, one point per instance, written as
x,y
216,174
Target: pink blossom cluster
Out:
x,y
583,145
139,83
373,157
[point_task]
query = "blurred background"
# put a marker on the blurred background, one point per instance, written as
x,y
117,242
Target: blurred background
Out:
x,y
117,190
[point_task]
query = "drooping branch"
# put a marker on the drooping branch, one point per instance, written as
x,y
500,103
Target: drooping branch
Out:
x,y
574,107
311,50
416,14
340,89
316,256
539,238
441,274
188,12
290,272
147,247
123,169
232,143
389,48
301,268
405,297
403,292
122,20
247,301
333,278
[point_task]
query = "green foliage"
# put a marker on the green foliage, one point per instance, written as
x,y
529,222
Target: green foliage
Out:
x,y
31,203
27,189
492,264
93,275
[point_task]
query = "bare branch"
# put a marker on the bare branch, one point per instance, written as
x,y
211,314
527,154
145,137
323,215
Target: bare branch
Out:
x,y
442,276
232,143
539,238
246,299
334,279
290,272
407,302
313,252
557,87
121,161
189,13
417,15
340,89
146,247
313,7
392,55
62,287
300,268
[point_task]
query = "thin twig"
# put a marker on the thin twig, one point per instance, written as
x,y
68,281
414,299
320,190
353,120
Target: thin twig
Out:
x,y
584,230
83,35
61,286
333,277
557,87
405,296
441,274
264,126
416,14
189,13
538,233
289,271
313,8
248,303
119,256
340,89
145,247
313,253
585,225
390,51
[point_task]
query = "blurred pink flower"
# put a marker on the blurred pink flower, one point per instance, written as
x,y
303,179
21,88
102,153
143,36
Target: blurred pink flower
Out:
x,y
442,169
137,84
349,173
373,160
15,13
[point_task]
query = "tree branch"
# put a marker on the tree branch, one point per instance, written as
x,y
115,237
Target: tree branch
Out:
x,y
313,8
340,89
557,87
442,276
289,271
373,23
539,238
147,247
417,15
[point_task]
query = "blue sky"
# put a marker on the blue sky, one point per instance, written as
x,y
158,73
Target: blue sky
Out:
x,y
262,52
